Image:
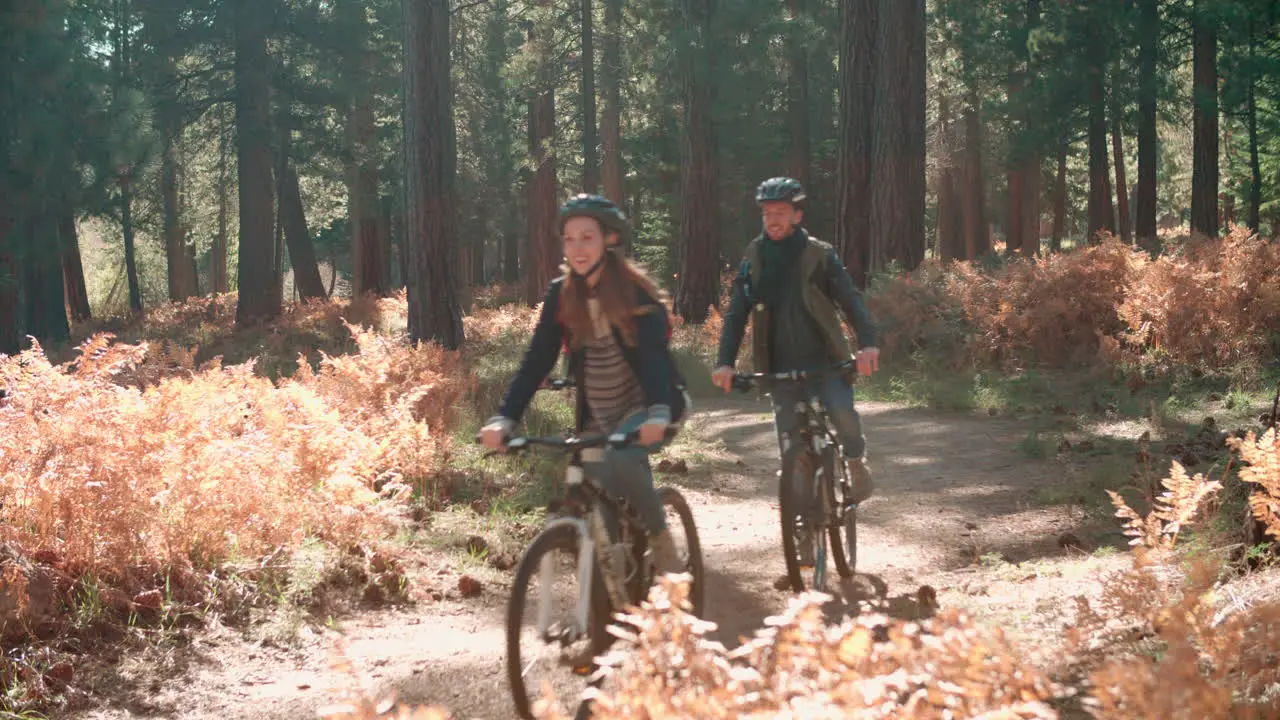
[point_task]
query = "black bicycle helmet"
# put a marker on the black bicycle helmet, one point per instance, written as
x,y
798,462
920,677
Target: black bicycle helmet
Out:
x,y
599,207
780,189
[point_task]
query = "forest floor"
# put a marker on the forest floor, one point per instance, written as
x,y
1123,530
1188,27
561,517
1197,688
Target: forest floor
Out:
x,y
967,503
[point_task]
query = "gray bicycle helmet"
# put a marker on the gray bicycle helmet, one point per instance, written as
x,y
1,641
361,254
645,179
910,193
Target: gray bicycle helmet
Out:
x,y
599,207
780,189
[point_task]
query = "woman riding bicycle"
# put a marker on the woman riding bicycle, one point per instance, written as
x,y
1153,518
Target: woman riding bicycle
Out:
x,y
609,315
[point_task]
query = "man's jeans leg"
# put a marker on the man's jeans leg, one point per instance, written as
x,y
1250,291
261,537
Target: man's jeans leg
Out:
x,y
837,395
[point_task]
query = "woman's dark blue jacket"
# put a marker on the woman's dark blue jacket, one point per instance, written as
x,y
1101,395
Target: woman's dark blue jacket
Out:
x,y
650,360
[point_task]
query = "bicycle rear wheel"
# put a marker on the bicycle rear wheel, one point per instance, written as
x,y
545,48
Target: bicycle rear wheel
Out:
x,y
548,573
841,516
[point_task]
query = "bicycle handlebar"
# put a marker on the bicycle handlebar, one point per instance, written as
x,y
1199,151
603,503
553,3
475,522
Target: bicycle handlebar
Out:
x,y
616,440
744,381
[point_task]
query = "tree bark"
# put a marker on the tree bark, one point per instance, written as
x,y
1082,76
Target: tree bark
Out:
x,y
130,251
853,146
1023,174
898,135
590,157
218,254
610,120
77,292
178,254
1204,120
11,330
368,255
44,295
258,298
977,241
121,39
1255,167
798,156
1145,193
543,246
1101,210
1122,188
431,222
1059,201
950,235
302,252
698,286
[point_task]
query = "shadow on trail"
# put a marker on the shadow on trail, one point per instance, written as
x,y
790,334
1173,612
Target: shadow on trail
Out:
x,y
739,613
136,693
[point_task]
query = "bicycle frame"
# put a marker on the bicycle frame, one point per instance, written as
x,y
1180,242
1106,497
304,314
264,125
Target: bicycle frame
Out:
x,y
588,523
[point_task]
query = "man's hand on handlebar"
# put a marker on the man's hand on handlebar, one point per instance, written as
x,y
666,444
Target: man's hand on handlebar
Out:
x,y
494,435
868,361
723,378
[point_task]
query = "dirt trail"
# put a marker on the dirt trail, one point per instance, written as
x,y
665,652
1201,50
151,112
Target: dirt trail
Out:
x,y
950,488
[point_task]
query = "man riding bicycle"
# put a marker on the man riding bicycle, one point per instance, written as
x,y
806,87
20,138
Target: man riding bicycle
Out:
x,y
792,287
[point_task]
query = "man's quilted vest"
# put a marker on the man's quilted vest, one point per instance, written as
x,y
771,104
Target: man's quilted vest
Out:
x,y
820,307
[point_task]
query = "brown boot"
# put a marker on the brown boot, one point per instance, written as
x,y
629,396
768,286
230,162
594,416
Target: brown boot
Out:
x,y
860,477
666,559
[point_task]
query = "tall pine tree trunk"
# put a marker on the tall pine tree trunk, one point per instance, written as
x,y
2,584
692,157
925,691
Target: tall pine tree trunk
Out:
x,y
259,299
798,156
1023,173
130,248
73,267
1145,193
950,230
11,330
1255,167
181,273
1204,120
368,255
977,241
1122,188
121,34
1059,201
177,252
218,253
44,296
590,158
853,147
698,287
898,135
302,252
610,120
1013,164
1101,210
543,245
431,223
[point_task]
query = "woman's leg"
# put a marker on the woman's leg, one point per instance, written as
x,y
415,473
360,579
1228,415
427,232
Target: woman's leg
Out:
x,y
625,474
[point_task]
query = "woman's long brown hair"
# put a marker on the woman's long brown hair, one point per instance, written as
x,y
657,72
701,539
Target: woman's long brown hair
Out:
x,y
619,294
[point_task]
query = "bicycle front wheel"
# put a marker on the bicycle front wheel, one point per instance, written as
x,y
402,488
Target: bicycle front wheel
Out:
x,y
547,639
691,548
804,545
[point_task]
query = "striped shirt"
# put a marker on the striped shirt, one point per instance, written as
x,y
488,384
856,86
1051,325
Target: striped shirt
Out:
x,y
613,391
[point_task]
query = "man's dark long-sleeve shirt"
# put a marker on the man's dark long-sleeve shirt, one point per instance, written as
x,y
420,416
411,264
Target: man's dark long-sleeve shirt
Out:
x,y
795,341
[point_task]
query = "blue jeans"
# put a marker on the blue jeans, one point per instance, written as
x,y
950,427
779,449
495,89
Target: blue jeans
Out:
x,y
837,396
626,474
